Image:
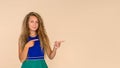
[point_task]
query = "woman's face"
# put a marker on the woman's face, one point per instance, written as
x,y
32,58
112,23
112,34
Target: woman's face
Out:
x,y
33,23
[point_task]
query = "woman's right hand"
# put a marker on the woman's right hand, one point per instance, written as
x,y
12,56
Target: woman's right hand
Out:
x,y
31,43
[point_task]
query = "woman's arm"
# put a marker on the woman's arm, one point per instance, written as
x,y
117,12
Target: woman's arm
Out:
x,y
51,53
23,52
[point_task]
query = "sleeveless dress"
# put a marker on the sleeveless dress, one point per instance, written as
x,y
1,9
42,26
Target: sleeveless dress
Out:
x,y
35,57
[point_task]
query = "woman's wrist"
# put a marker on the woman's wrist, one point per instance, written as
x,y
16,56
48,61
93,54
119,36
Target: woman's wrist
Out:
x,y
55,47
26,46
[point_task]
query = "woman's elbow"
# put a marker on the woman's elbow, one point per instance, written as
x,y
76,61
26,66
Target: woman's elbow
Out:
x,y
51,58
21,60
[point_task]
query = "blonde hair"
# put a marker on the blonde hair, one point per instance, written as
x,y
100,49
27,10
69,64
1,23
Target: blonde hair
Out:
x,y
44,40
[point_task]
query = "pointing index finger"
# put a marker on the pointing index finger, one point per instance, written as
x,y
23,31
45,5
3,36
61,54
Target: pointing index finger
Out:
x,y
35,39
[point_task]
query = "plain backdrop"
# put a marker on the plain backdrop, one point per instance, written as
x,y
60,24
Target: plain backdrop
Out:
x,y
90,29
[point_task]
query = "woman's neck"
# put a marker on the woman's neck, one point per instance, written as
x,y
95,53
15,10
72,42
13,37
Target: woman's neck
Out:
x,y
33,33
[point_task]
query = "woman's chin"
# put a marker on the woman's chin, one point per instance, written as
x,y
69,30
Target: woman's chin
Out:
x,y
33,29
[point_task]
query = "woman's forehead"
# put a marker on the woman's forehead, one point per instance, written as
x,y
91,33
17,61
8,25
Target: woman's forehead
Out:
x,y
33,18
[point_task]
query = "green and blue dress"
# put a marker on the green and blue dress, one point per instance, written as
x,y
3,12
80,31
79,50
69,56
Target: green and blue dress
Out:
x,y
35,57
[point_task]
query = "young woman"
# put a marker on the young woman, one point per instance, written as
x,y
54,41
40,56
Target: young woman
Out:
x,y
34,43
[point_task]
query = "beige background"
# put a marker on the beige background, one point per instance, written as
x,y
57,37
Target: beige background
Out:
x,y
90,29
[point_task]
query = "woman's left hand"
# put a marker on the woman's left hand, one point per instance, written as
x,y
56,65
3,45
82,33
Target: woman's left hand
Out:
x,y
57,44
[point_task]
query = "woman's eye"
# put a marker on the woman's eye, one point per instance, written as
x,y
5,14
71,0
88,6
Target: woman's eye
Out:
x,y
32,21
36,21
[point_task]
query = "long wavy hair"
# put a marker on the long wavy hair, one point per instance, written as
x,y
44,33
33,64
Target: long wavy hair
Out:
x,y
44,40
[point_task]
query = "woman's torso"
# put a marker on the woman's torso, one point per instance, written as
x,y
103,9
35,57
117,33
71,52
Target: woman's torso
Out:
x,y
35,52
